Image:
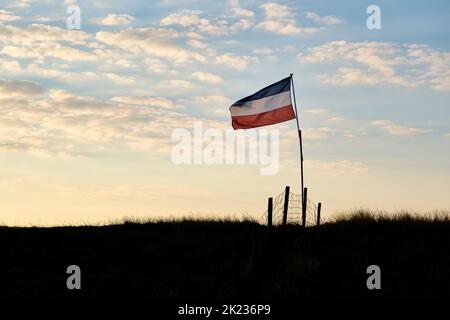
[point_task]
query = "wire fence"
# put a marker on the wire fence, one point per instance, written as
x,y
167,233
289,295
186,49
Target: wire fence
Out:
x,y
294,215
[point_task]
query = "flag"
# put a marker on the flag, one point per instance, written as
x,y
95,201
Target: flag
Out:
x,y
268,106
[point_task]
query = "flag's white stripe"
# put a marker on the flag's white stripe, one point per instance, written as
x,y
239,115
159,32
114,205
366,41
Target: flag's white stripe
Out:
x,y
262,105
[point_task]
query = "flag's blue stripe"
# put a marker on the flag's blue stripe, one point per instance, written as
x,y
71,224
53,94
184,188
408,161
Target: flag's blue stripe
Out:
x,y
276,88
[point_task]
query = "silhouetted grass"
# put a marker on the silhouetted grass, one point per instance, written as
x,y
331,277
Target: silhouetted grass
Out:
x,y
220,259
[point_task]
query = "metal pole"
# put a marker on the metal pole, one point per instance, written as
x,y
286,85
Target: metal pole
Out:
x,y
286,204
305,199
299,139
319,208
269,212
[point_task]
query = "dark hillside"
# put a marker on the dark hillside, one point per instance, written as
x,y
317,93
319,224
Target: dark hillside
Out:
x,y
210,261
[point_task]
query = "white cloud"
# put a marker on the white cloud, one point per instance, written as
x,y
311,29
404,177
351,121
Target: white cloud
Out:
x,y
192,19
207,77
41,33
242,24
244,19
241,12
216,100
398,130
375,63
234,61
280,19
316,133
328,20
64,76
50,49
8,16
263,51
177,84
315,111
337,167
115,20
59,123
194,43
157,42
10,66
311,134
119,79
335,119
238,11
185,19
156,66
276,11
145,101
19,88
21,4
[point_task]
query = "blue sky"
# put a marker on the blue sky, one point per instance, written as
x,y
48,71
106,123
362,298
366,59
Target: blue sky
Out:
x,y
87,114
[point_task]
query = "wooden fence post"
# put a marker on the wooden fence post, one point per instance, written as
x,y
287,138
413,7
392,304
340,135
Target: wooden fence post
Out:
x,y
305,201
319,207
269,213
286,204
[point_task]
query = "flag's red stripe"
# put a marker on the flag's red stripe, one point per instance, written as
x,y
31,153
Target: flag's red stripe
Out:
x,y
263,119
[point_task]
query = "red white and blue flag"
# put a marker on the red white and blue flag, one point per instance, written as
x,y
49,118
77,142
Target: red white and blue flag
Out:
x,y
268,106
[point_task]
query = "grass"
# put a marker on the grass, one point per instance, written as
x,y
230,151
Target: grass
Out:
x,y
222,259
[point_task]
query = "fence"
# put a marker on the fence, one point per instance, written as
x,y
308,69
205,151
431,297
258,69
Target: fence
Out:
x,y
294,210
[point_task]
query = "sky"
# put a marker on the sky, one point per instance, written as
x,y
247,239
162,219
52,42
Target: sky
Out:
x,y
87,115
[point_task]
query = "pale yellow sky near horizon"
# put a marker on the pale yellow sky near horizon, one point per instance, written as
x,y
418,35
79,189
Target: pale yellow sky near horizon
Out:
x,y
96,193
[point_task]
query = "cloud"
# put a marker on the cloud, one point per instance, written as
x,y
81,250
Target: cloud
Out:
x,y
194,43
241,12
8,16
311,134
207,77
21,4
315,111
398,130
157,66
61,75
335,119
177,85
212,100
328,20
375,63
238,11
244,19
145,101
234,61
157,42
337,167
317,133
19,88
115,20
276,11
10,66
279,19
50,49
263,51
119,79
41,33
57,122
242,24
192,19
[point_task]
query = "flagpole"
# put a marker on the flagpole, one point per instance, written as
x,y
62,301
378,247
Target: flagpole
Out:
x,y
300,144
